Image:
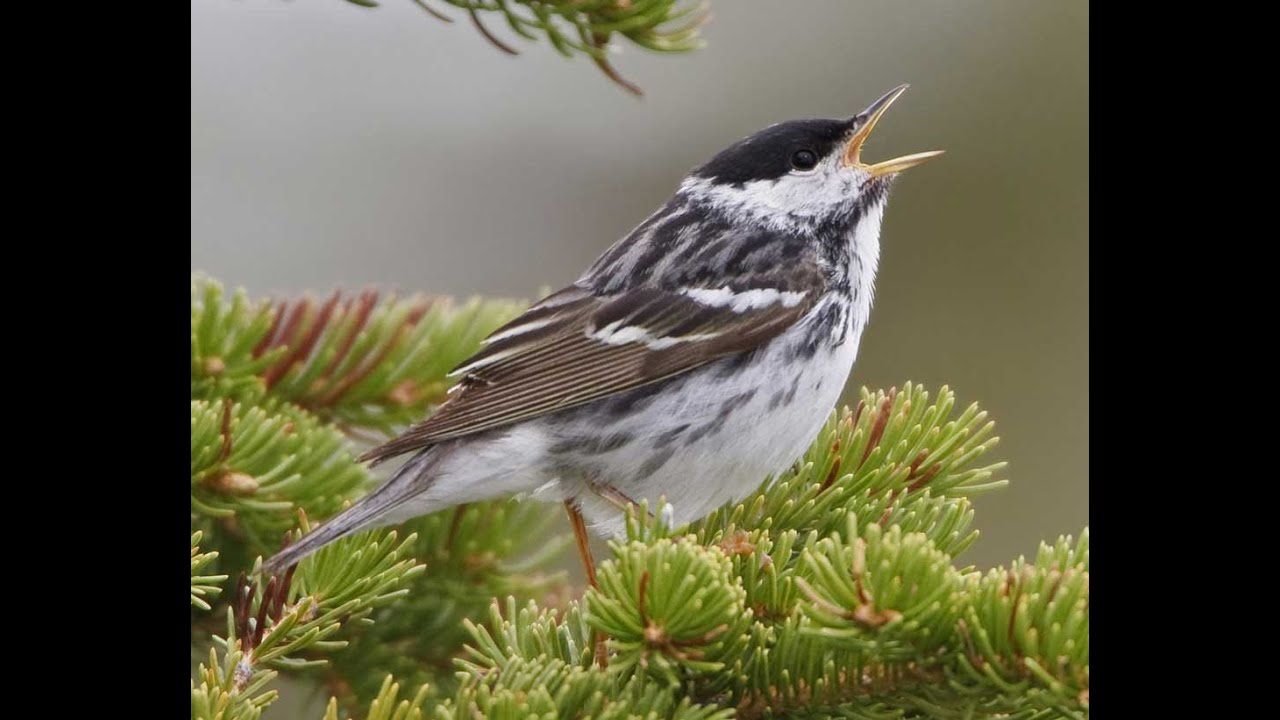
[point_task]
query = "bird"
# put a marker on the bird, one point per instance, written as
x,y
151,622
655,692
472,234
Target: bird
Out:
x,y
696,357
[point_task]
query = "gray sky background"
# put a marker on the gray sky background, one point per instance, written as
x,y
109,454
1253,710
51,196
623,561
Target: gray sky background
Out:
x,y
337,146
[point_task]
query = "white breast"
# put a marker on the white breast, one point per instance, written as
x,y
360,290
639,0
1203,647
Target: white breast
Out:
x,y
733,430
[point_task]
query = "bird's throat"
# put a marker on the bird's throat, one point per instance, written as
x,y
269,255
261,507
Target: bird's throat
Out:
x,y
862,262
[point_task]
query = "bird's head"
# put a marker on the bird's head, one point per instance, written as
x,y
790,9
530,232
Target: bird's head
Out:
x,y
803,173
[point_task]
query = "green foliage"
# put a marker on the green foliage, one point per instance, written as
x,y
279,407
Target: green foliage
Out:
x,y
226,342
362,362
887,594
1026,629
527,632
278,388
272,623
203,587
830,592
277,391
217,692
672,609
257,464
384,705
584,27
418,638
346,580
537,663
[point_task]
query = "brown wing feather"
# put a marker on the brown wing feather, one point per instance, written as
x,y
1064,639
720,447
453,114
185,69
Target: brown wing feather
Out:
x,y
547,359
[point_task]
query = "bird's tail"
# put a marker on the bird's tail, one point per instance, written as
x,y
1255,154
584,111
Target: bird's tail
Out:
x,y
370,511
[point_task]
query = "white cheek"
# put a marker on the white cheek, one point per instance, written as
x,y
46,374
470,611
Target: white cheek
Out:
x,y
780,203
810,194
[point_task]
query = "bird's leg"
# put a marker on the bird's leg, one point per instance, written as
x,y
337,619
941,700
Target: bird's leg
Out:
x,y
580,534
584,551
622,501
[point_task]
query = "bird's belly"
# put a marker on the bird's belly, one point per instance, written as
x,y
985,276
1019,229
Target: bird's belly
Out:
x,y
703,439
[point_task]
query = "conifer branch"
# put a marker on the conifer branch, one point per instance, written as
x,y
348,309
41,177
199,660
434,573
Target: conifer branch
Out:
x,y
273,621
374,365
384,705
1025,630
253,465
584,27
886,628
672,610
363,362
475,553
830,591
888,594
224,339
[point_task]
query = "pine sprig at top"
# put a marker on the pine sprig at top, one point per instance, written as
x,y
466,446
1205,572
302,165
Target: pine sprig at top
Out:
x,y
583,27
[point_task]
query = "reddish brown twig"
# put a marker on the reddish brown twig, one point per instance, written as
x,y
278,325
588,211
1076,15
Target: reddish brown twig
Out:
x,y
475,20
226,430
433,12
917,481
601,42
881,422
834,472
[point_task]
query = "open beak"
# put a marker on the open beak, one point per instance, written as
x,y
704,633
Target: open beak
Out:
x,y
853,151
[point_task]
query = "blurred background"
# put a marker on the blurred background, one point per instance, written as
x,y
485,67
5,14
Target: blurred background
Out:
x,y
339,146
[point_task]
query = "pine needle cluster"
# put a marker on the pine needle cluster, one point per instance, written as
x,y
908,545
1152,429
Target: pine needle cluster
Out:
x,y
582,27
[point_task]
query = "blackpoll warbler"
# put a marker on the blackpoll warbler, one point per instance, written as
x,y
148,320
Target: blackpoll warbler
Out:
x,y
697,356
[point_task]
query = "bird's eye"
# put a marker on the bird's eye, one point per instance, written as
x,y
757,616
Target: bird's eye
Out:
x,y
804,160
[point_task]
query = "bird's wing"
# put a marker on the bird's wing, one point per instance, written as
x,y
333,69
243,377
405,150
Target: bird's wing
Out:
x,y
574,347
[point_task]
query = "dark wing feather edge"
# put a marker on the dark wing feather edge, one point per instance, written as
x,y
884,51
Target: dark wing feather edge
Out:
x,y
552,358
